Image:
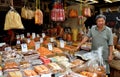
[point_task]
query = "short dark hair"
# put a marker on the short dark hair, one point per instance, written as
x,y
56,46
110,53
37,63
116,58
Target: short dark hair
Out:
x,y
100,16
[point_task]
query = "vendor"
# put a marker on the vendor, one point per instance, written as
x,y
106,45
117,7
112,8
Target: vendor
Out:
x,y
101,36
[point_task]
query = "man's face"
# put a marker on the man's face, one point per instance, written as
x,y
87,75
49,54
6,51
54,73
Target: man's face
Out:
x,y
100,22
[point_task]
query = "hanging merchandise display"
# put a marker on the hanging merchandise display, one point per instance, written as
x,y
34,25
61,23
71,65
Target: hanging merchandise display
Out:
x,y
58,13
73,13
26,12
38,14
13,19
86,11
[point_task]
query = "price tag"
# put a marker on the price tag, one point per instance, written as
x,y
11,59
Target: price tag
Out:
x,y
33,36
37,45
22,36
50,47
38,35
62,43
28,40
28,34
18,42
41,40
8,49
43,35
51,39
46,75
24,47
17,36
1,44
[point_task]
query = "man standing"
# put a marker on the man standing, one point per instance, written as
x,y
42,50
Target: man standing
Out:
x,y
101,36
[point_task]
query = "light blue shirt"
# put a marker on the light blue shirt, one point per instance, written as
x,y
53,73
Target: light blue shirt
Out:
x,y
102,38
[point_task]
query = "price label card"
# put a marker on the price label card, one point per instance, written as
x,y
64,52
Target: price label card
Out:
x,y
8,49
50,47
17,36
62,43
51,39
18,42
22,36
41,40
43,35
1,44
24,47
28,34
38,35
46,75
33,36
28,40
37,45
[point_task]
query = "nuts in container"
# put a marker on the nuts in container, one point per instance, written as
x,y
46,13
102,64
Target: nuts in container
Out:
x,y
54,67
41,69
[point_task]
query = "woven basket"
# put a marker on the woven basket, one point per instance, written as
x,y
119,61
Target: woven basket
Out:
x,y
118,47
115,64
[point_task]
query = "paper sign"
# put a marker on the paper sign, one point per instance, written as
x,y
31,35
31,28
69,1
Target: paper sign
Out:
x,y
51,39
28,34
50,47
46,75
24,47
37,45
43,35
1,44
8,49
17,36
41,40
28,40
38,35
22,36
18,42
33,36
62,44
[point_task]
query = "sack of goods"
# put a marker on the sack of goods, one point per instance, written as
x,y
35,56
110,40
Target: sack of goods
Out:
x,y
58,13
27,13
13,20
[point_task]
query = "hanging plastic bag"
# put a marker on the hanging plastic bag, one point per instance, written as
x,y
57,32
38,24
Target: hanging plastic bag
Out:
x,y
58,13
13,20
86,11
38,14
27,13
73,13
95,63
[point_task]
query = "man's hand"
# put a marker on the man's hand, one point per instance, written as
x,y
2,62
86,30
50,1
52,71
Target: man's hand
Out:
x,y
78,47
110,58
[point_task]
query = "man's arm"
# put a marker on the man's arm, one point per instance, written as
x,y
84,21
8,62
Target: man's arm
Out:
x,y
83,41
110,57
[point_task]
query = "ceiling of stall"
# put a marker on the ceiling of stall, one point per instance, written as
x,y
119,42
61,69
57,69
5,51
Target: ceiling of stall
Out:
x,y
96,3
